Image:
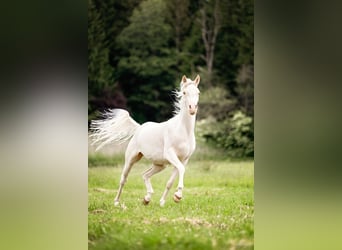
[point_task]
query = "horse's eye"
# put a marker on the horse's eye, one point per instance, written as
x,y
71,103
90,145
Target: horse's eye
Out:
x,y
184,93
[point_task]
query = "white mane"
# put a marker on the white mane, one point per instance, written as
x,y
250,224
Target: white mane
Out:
x,y
178,103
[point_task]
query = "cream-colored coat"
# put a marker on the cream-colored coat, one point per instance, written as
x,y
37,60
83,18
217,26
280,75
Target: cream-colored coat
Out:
x,y
170,142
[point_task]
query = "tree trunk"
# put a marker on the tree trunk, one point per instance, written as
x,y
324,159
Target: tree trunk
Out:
x,y
210,26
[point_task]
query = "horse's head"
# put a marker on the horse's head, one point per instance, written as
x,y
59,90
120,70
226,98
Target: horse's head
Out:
x,y
190,93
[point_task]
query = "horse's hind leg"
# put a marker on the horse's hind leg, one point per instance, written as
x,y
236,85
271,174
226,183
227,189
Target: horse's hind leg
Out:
x,y
130,159
146,177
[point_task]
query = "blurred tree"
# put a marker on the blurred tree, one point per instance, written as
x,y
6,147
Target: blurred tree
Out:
x,y
148,64
210,21
138,51
100,72
180,19
235,43
105,20
245,89
115,15
178,16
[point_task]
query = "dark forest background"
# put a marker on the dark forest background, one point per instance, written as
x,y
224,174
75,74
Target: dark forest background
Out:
x,y
139,50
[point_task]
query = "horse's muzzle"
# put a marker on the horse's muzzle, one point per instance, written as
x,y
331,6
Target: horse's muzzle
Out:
x,y
192,109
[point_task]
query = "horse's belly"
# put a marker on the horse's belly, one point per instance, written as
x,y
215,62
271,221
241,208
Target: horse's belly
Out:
x,y
150,142
155,156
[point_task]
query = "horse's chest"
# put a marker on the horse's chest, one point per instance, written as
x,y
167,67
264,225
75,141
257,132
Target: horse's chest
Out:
x,y
184,148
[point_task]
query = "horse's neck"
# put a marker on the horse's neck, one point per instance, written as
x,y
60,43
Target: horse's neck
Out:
x,y
187,121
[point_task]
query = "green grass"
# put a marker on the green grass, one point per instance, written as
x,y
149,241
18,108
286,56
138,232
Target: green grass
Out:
x,y
99,159
216,212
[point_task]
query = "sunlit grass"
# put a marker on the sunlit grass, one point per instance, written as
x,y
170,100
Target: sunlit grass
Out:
x,y
216,212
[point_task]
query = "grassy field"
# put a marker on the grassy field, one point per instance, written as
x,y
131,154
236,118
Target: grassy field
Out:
x,y
216,212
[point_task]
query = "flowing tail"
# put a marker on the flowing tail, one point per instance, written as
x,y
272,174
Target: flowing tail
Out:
x,y
117,127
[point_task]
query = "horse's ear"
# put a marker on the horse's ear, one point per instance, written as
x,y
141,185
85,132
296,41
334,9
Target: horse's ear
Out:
x,y
197,80
184,80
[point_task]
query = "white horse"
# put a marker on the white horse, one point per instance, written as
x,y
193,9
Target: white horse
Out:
x,y
170,142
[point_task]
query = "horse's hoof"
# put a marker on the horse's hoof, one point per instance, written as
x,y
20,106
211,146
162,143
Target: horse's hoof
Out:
x,y
162,203
145,202
116,203
176,198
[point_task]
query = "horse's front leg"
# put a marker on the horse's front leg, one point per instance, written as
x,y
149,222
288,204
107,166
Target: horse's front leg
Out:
x,y
174,160
168,186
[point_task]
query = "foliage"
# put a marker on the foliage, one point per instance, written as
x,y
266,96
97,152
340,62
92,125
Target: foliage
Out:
x,y
147,60
235,41
177,15
215,102
100,72
105,20
138,51
245,89
217,210
235,134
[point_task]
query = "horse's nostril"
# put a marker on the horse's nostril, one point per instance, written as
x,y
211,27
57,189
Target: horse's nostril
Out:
x,y
189,106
